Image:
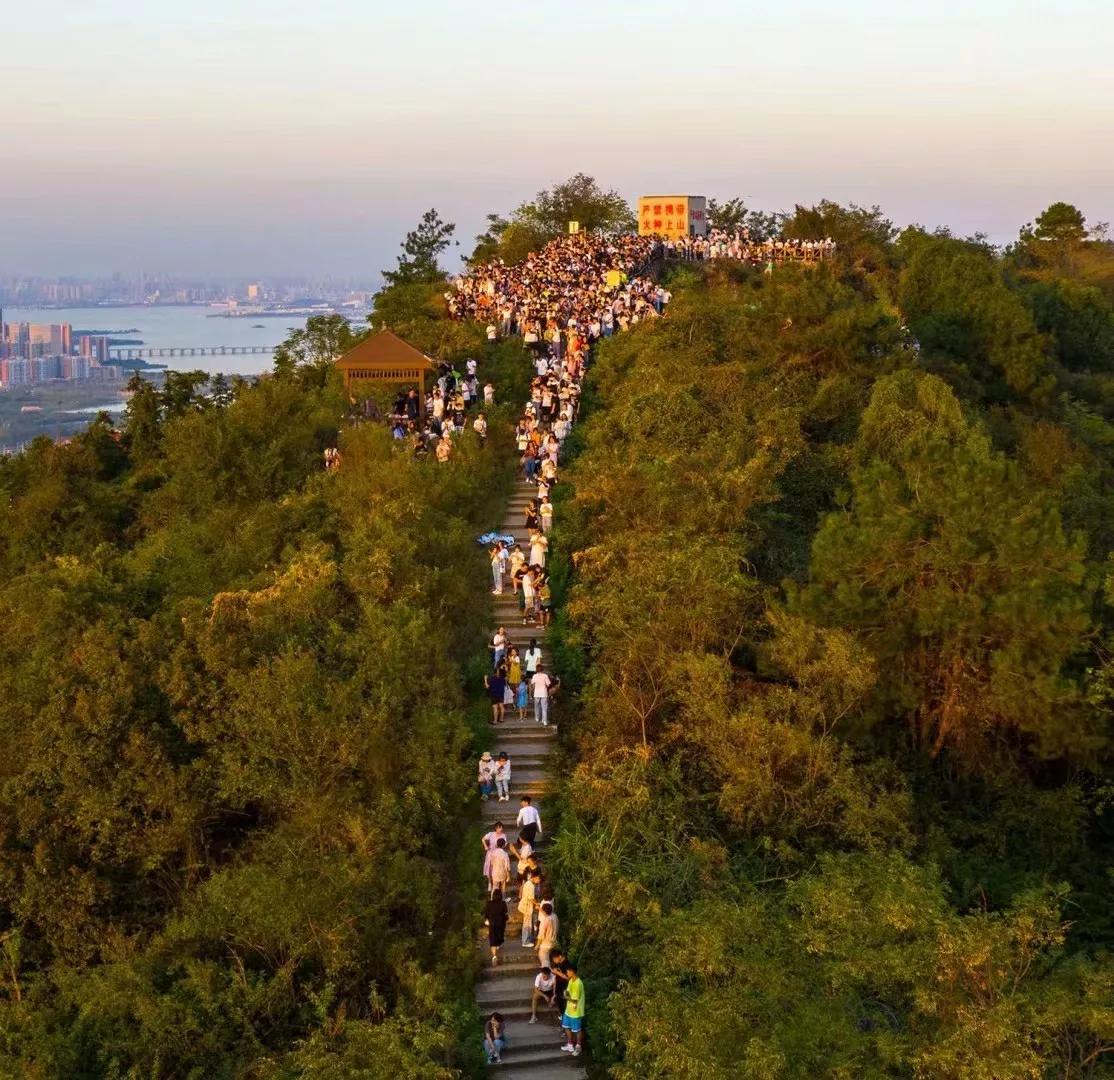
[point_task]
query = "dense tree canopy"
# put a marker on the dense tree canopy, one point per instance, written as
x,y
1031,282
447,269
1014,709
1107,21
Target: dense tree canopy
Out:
x,y
837,542
547,216
213,736
833,562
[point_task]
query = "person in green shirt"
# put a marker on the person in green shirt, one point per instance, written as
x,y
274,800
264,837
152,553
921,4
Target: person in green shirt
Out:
x,y
573,1020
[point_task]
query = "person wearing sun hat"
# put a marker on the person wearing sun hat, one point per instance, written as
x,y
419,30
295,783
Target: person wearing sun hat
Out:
x,y
485,776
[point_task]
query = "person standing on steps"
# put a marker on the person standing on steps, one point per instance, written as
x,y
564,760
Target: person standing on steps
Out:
x,y
573,1020
498,561
498,647
539,545
548,926
526,904
499,876
529,595
522,699
496,684
495,916
503,777
532,659
545,600
545,514
515,562
542,685
559,965
537,579
529,821
490,841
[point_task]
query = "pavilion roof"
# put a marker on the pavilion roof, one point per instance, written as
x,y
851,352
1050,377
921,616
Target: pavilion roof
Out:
x,y
384,350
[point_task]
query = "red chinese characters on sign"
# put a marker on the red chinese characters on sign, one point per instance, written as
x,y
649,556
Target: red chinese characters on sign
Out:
x,y
657,223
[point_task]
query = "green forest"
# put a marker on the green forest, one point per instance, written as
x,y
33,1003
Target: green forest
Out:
x,y
835,627
838,600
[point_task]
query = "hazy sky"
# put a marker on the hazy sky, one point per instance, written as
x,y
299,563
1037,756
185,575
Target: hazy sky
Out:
x,y
241,136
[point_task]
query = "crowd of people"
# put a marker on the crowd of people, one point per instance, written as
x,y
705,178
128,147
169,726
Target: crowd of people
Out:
x,y
447,408
579,287
521,682
515,875
739,244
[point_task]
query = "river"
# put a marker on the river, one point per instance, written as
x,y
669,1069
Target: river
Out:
x,y
170,326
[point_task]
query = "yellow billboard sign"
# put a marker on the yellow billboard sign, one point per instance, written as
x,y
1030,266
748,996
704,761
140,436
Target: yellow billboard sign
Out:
x,y
672,216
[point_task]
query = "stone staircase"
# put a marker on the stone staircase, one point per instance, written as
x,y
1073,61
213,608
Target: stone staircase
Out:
x,y
533,1051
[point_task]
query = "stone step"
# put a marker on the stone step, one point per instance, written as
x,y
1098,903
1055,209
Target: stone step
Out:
x,y
560,1070
508,811
522,1035
512,726
508,969
502,995
532,1062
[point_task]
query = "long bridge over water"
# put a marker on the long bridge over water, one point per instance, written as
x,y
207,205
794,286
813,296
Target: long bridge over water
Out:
x,y
152,352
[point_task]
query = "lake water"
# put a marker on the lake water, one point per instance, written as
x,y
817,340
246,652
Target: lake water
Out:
x,y
177,327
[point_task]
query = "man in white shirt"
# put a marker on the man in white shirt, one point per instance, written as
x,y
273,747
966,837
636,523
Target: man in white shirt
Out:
x,y
470,366
540,684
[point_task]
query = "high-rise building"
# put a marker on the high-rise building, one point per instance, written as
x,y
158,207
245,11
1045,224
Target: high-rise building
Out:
x,y
255,290
75,367
93,347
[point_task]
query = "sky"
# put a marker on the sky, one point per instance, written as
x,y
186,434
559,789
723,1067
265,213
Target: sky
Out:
x,y
229,137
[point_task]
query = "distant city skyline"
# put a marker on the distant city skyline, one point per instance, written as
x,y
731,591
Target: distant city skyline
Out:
x,y
253,139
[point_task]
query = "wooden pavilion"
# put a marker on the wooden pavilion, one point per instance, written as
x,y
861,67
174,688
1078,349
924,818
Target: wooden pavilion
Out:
x,y
384,357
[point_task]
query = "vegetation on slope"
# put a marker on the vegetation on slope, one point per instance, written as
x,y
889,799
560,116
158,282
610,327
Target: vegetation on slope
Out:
x,y
839,545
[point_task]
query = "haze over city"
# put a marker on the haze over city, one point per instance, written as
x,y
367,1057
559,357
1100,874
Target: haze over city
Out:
x,y
267,138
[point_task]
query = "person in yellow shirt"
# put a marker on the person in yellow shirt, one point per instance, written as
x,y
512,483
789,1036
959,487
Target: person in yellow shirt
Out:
x,y
573,1020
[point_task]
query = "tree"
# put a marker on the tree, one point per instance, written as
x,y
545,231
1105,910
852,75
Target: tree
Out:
x,y
534,224
1061,223
220,392
959,577
863,235
581,199
729,215
418,262
180,392
143,418
488,242
957,304
310,352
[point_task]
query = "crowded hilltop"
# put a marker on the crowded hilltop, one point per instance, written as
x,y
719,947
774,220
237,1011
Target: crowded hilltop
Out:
x,y
738,244
589,284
